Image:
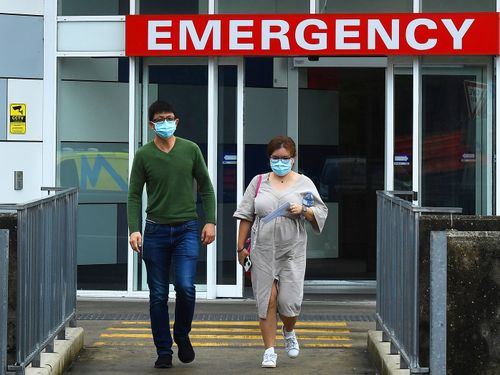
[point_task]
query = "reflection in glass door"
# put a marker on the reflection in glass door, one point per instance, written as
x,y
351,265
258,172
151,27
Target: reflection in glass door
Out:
x,y
341,148
457,138
92,155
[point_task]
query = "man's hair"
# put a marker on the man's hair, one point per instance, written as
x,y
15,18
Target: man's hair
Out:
x,y
160,106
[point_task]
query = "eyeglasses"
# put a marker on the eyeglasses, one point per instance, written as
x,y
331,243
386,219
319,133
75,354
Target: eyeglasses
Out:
x,y
282,158
157,120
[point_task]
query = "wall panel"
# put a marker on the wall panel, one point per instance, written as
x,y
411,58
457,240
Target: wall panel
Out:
x,y
20,156
3,109
31,7
29,92
22,46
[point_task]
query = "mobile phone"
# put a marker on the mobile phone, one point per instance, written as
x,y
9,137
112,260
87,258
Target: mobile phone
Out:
x,y
247,263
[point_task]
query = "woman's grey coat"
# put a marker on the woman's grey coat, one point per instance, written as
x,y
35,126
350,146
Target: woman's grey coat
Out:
x,y
279,247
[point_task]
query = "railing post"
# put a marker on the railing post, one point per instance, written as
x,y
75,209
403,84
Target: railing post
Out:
x,y
438,297
62,334
36,360
4,297
50,347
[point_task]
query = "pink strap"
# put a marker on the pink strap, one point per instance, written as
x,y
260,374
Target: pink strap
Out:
x,y
258,185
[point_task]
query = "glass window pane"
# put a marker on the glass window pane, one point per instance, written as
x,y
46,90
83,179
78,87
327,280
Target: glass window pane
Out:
x,y
456,156
226,184
173,7
262,6
364,6
265,114
98,169
341,148
186,88
403,129
92,154
93,7
102,243
458,6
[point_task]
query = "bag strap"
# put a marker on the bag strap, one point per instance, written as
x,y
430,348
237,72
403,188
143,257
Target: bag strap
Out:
x,y
258,185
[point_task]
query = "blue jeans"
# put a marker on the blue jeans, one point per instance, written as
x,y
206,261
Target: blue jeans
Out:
x,y
162,245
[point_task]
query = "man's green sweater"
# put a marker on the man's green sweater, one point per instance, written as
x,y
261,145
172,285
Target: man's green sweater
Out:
x,y
169,184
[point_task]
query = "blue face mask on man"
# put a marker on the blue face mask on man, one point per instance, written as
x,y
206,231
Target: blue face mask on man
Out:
x,y
165,128
281,167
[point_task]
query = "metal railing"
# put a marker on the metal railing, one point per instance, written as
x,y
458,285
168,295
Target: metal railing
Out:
x,y
46,274
4,296
398,271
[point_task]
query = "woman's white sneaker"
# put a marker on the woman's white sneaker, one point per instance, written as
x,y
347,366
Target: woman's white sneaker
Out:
x,y
291,344
269,359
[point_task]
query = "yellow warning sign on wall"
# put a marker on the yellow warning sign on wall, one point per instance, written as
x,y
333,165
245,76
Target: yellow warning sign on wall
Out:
x,y
17,118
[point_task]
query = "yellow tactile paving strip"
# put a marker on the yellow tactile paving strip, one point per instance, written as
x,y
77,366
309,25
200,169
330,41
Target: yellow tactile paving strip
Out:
x,y
231,334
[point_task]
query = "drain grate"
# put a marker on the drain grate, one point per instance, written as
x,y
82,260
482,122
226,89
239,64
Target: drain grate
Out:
x,y
229,317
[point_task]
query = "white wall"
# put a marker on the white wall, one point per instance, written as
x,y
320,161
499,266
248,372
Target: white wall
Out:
x,y
23,152
29,92
100,36
20,156
31,7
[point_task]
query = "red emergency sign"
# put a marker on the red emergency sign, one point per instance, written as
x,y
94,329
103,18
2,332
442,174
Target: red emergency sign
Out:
x,y
311,34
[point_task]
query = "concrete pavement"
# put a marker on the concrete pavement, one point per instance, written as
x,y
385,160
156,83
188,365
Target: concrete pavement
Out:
x,y
332,333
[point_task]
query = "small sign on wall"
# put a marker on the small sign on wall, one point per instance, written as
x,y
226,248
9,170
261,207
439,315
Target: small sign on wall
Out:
x,y
17,122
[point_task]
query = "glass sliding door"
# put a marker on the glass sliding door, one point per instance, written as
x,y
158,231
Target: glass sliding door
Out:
x,y
187,84
341,148
457,137
184,84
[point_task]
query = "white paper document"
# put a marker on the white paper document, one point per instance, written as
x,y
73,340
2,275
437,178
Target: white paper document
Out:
x,y
280,211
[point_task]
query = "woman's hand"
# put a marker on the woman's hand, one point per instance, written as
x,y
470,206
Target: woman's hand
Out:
x,y
295,208
242,255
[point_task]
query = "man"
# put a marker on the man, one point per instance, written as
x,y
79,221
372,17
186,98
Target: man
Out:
x,y
167,166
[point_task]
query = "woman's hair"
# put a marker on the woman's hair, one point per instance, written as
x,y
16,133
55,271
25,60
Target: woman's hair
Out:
x,y
279,142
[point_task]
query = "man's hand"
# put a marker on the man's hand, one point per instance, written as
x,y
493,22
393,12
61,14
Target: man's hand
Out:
x,y
136,241
208,234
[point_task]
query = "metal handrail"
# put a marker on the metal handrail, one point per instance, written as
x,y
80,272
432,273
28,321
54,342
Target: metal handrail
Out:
x,y
397,273
46,274
393,196
4,296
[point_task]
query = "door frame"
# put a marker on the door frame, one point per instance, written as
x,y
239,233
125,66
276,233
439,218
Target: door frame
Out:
x,y
328,286
139,104
416,64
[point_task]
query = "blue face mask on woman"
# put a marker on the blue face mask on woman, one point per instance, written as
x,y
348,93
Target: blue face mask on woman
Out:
x,y
281,167
165,128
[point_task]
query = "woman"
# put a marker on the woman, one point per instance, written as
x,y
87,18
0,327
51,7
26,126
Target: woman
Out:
x,y
278,246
